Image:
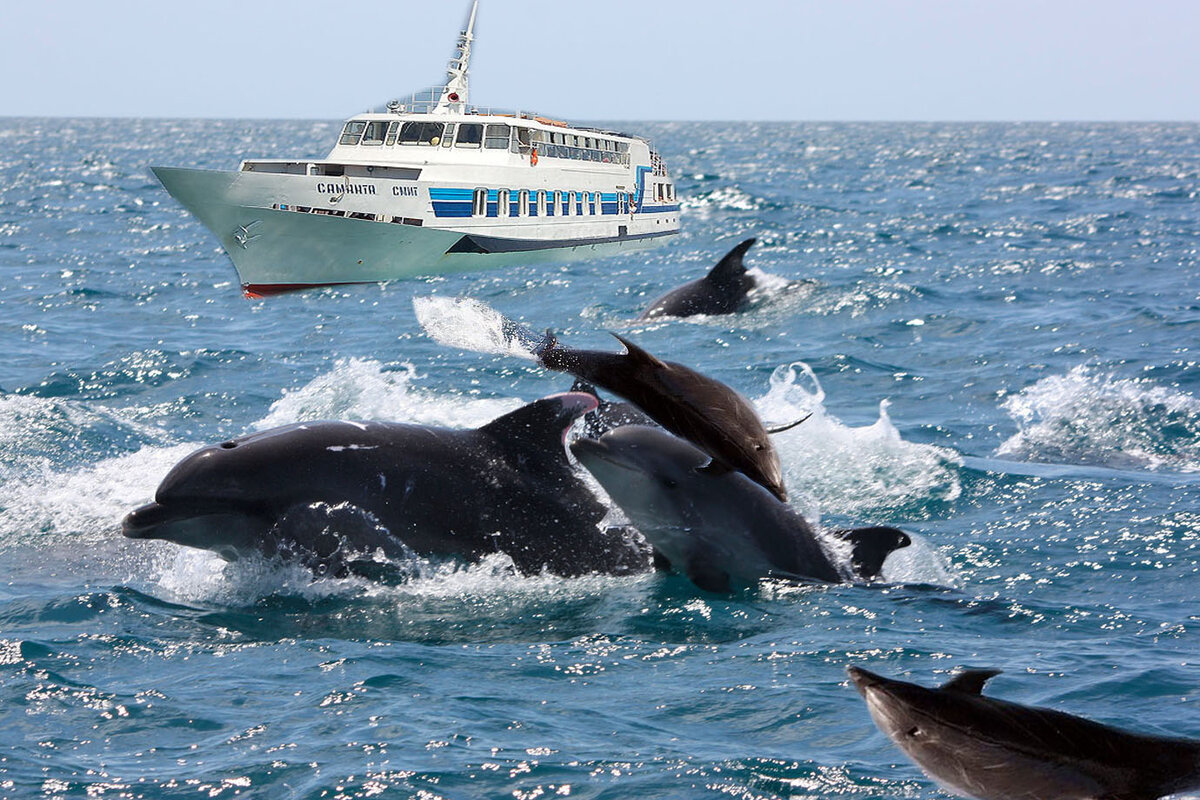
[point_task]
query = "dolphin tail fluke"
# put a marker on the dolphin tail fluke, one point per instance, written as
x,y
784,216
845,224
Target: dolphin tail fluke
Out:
x,y
872,546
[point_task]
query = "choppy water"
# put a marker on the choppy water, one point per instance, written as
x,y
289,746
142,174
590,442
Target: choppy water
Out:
x,y
996,326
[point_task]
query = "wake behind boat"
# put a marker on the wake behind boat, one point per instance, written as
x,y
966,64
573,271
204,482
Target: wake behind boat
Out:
x,y
432,186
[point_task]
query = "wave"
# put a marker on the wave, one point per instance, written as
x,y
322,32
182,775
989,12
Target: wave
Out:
x,y
857,472
1094,418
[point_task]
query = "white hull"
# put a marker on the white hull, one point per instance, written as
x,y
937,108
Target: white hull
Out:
x,y
276,247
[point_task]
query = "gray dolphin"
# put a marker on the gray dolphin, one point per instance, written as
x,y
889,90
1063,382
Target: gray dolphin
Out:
x,y
331,492
723,290
995,750
706,412
720,529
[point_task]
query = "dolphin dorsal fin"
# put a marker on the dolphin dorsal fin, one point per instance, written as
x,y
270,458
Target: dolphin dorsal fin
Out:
x,y
731,267
637,353
541,423
970,681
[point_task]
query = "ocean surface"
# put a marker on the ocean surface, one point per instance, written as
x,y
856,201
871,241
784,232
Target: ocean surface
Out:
x,y
996,327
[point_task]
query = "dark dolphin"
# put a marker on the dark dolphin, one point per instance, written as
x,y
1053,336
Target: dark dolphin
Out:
x,y
996,750
332,493
701,409
721,530
723,290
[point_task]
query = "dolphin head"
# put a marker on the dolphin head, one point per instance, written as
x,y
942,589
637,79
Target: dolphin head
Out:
x,y
223,497
982,747
647,472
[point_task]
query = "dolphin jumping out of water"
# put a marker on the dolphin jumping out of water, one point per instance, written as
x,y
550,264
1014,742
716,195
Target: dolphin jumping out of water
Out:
x,y
720,529
692,405
996,750
723,290
397,488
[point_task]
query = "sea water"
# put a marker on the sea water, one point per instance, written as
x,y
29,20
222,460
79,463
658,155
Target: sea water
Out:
x,y
994,327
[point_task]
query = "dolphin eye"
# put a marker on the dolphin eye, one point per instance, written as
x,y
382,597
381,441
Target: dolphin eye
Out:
x,y
912,733
670,483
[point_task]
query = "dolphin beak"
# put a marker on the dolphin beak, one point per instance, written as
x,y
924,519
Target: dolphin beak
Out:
x,y
864,679
141,522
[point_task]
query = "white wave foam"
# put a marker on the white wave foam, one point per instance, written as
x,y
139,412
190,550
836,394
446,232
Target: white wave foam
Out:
x,y
468,324
364,389
86,503
851,471
1094,418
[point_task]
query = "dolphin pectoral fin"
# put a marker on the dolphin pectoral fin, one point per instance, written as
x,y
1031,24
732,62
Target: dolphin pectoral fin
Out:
x,y
970,682
872,546
638,354
708,576
790,425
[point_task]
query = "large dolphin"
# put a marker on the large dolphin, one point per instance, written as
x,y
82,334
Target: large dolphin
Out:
x,y
723,290
332,493
720,529
692,405
996,750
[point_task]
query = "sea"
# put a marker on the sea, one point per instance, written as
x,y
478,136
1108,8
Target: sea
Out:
x,y
994,326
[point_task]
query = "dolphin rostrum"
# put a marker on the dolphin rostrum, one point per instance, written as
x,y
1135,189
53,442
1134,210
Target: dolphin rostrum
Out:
x,y
992,749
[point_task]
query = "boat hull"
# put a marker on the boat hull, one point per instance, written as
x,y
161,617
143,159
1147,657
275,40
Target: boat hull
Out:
x,y
276,248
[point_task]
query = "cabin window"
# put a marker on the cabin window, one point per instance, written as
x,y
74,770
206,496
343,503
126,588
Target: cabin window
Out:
x,y
448,139
497,137
393,129
374,132
594,204
353,132
523,203
421,133
541,204
572,201
505,207
470,135
479,203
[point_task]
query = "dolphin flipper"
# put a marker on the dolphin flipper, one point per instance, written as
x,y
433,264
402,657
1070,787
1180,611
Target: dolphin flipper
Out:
x,y
871,547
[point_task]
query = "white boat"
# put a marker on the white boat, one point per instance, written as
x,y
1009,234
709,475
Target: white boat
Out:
x,y
431,186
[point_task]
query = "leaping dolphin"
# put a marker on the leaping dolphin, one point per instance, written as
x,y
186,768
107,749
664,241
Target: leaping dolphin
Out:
x,y
720,529
996,750
723,290
397,488
703,410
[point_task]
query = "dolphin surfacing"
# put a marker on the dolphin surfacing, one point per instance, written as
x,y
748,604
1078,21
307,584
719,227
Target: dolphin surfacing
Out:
x,y
992,749
724,290
721,529
330,493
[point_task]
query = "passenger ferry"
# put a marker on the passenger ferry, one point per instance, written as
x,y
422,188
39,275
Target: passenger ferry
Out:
x,y
432,186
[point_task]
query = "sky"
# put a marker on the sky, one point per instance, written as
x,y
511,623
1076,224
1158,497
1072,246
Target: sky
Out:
x,y
839,60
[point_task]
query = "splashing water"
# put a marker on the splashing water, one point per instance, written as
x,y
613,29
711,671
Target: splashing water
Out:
x,y
472,325
853,471
1097,419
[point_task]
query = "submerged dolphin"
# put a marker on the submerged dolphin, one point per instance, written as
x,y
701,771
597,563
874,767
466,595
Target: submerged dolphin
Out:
x,y
698,408
720,529
329,492
995,750
723,290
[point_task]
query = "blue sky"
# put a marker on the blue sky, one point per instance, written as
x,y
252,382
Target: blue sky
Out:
x,y
612,59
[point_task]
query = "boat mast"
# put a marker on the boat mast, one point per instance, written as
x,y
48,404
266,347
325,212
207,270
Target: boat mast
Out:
x,y
454,95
